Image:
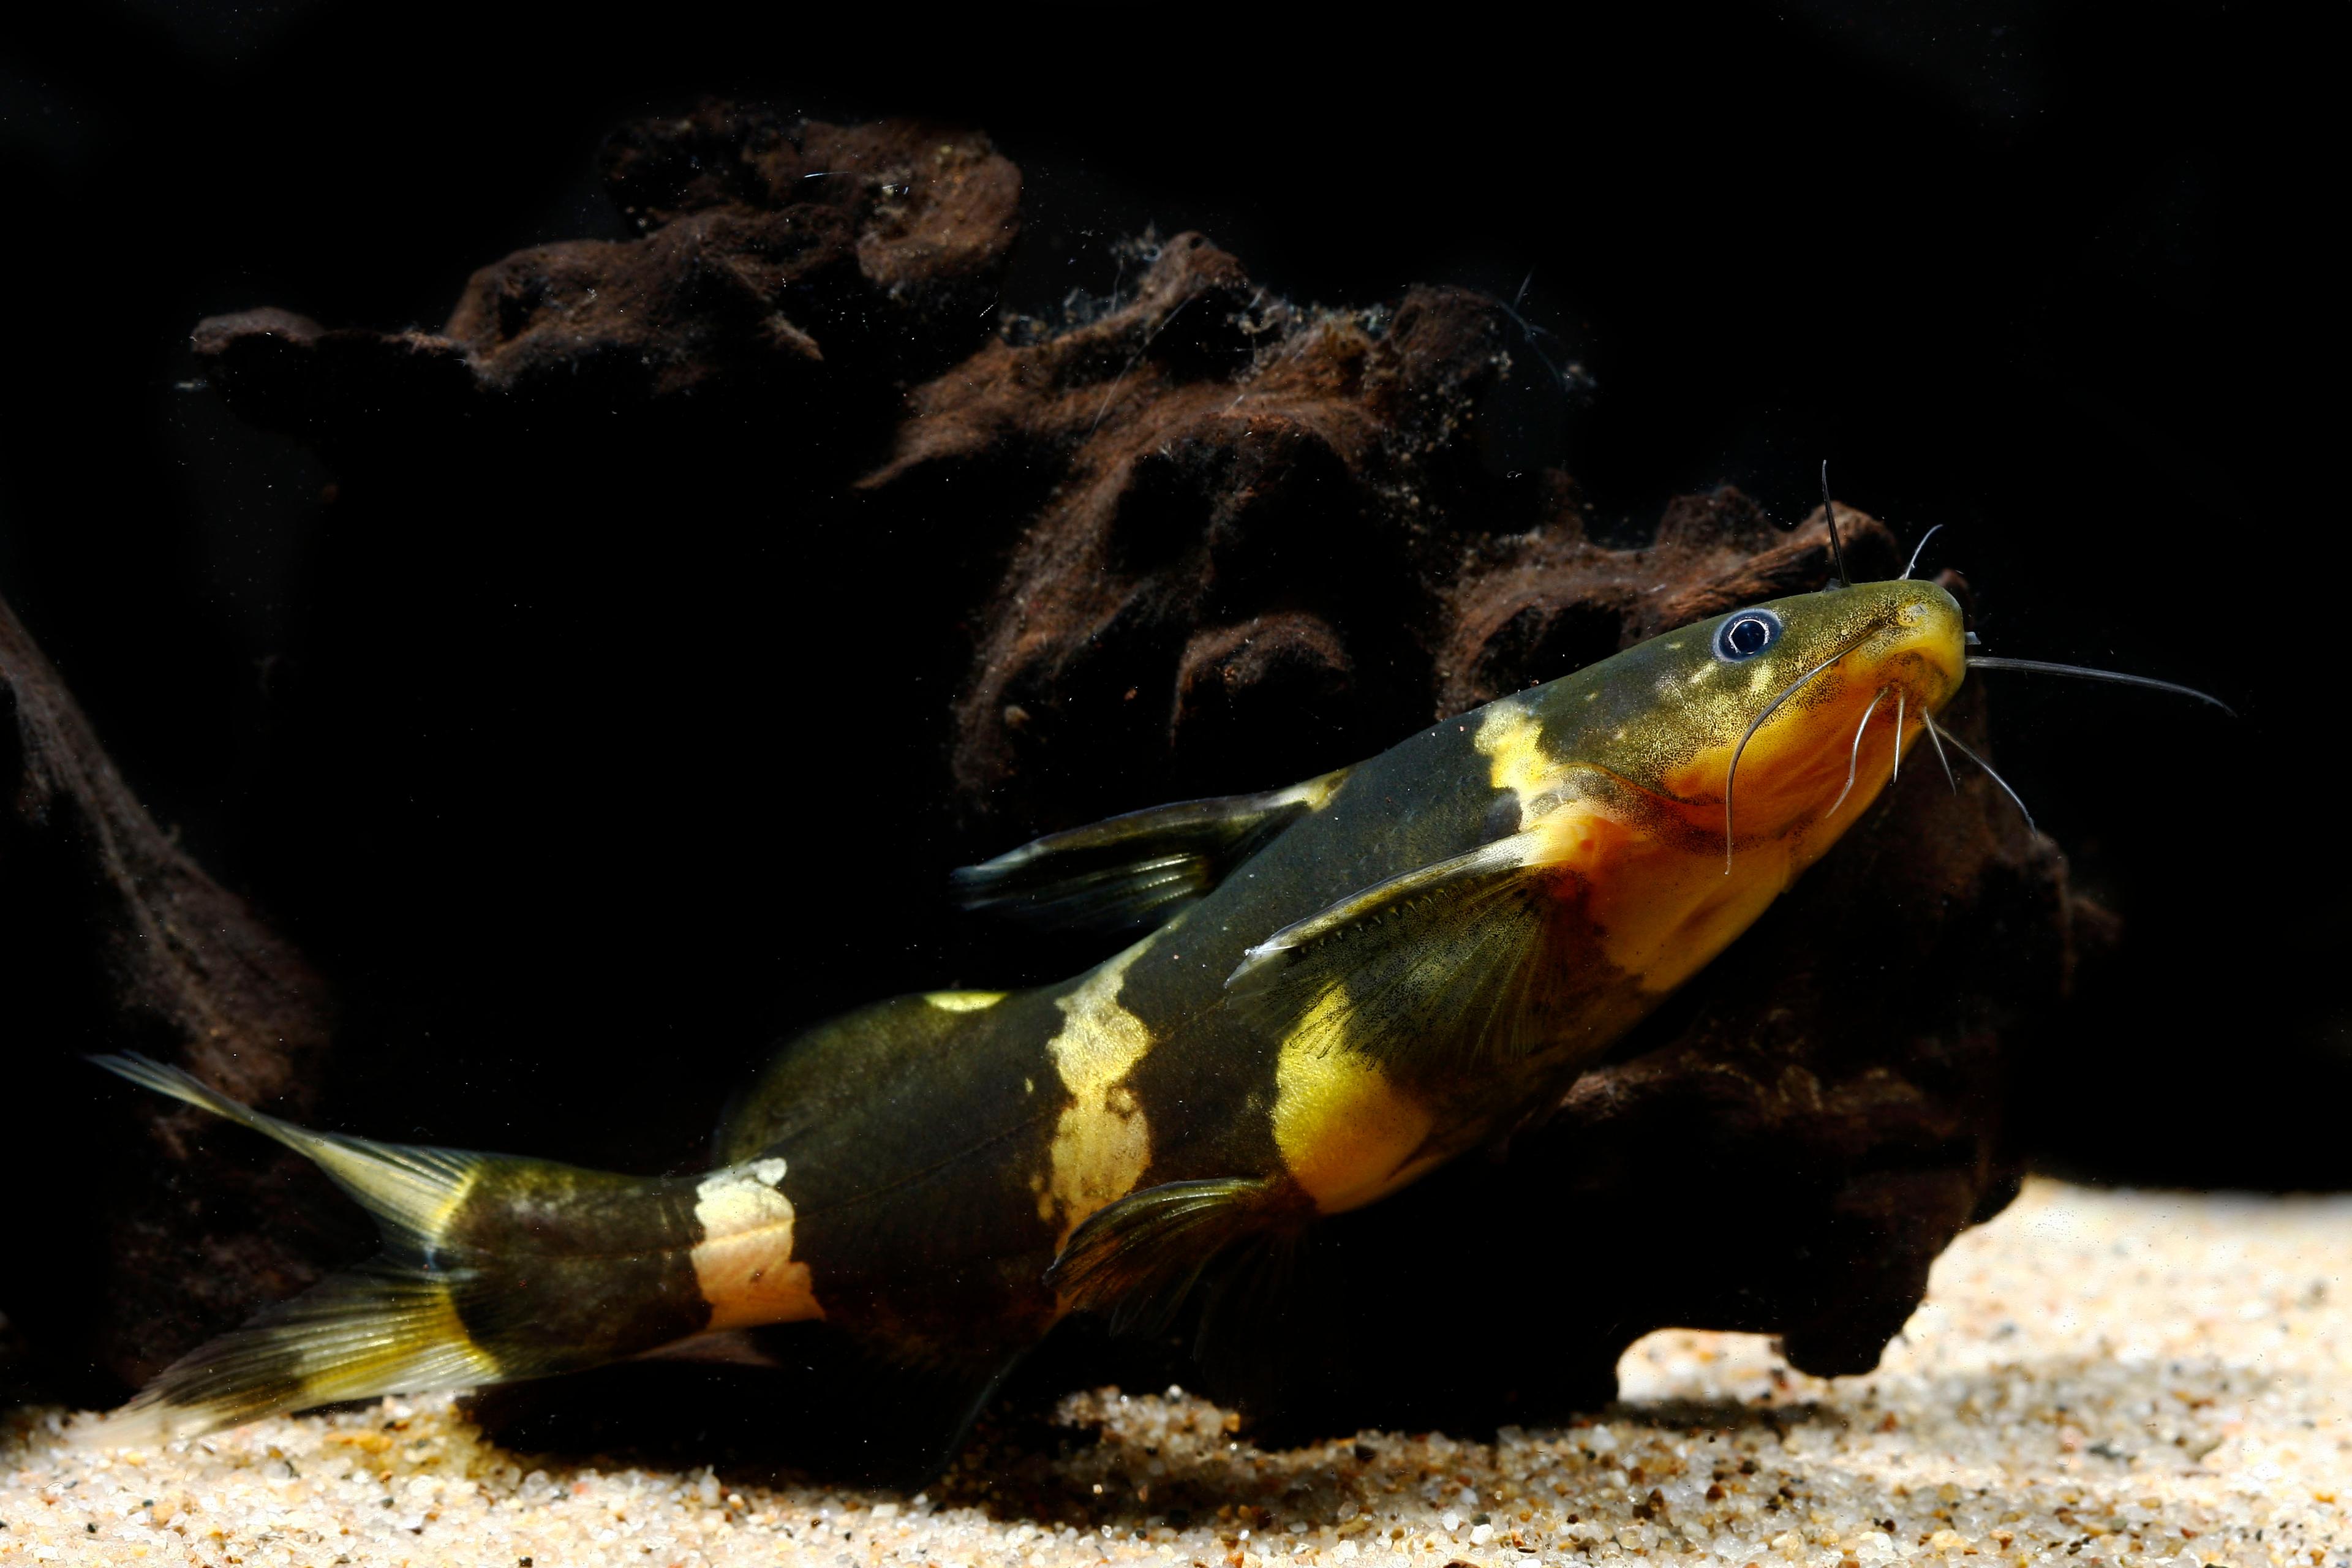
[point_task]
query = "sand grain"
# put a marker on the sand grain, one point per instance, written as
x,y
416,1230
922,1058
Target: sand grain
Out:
x,y
2113,1378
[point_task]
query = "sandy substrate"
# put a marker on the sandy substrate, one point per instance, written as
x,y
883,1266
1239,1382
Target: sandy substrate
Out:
x,y
2110,1378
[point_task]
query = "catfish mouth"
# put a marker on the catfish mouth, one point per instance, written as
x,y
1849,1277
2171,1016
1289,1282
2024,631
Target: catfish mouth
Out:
x,y
1812,759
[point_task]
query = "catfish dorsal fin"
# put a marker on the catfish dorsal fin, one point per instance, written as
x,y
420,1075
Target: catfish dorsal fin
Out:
x,y
1136,870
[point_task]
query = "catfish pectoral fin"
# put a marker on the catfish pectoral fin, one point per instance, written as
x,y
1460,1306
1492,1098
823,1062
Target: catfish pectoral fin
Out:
x,y
1455,968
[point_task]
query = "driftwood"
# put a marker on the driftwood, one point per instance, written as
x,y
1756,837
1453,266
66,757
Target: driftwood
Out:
x,y
116,937
1190,539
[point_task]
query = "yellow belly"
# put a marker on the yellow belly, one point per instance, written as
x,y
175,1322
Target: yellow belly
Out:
x,y
1347,1134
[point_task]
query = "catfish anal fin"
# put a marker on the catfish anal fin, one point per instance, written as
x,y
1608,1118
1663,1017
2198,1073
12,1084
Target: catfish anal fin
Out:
x,y
1137,870
1138,1257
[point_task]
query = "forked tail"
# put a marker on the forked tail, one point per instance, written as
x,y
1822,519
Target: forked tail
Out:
x,y
493,1269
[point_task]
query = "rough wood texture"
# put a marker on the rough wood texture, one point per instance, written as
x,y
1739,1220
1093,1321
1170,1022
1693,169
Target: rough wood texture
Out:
x,y
779,260
114,933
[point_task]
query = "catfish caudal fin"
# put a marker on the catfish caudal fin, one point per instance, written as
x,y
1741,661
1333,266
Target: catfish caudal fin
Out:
x,y
493,1269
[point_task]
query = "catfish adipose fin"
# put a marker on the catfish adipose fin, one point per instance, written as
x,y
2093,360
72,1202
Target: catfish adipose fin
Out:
x,y
1135,870
493,1269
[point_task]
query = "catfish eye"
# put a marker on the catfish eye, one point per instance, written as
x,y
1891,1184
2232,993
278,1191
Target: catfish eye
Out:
x,y
1746,635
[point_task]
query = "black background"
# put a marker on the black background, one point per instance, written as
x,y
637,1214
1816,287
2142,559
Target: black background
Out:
x,y
2047,274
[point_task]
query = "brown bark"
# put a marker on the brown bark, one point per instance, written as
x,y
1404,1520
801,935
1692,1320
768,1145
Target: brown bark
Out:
x,y
120,931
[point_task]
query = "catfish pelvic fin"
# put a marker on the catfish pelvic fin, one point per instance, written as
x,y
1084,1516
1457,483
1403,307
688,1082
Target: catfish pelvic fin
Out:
x,y
1137,1258
1454,967
1135,870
